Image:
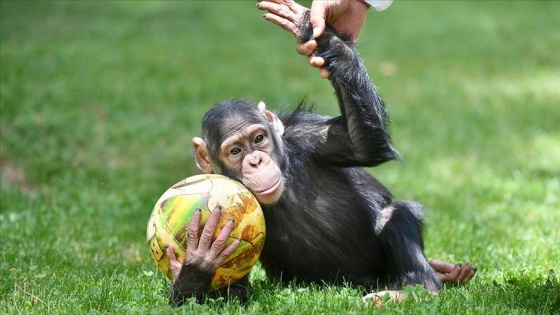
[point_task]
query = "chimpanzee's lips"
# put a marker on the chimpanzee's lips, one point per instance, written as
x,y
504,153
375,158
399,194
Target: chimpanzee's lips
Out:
x,y
271,190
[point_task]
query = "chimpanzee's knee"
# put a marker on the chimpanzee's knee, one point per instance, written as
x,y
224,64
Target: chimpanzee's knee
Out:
x,y
399,227
399,217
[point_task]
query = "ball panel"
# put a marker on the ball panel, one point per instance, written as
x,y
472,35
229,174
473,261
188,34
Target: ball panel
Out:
x,y
175,214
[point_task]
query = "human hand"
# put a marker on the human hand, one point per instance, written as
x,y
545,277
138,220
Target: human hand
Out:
x,y
346,16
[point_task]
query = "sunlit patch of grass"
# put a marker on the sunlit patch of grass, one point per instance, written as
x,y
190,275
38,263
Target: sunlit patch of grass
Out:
x,y
99,102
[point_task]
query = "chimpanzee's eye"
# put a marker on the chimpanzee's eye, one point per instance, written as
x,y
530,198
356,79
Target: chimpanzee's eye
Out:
x,y
234,151
259,138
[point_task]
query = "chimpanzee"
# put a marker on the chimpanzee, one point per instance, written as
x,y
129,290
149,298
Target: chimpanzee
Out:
x,y
327,219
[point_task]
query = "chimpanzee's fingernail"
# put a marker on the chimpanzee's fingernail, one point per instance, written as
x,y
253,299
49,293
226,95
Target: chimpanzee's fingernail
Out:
x,y
474,270
198,210
460,265
231,222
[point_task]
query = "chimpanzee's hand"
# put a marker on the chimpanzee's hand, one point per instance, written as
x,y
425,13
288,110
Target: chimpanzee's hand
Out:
x,y
453,274
204,254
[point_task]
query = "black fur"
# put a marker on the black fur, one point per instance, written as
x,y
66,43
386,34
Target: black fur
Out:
x,y
335,223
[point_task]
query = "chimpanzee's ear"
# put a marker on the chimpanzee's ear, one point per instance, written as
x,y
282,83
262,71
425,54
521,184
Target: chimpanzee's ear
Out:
x,y
272,118
202,156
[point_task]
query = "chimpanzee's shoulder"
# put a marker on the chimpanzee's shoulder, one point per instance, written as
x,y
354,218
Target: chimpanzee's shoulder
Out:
x,y
303,114
302,126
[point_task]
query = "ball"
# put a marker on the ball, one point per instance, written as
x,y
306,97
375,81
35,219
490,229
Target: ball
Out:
x,y
170,218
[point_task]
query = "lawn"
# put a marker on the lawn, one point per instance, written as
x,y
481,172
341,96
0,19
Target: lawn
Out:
x,y
99,101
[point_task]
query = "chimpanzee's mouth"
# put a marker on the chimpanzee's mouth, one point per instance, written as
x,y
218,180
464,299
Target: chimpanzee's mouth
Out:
x,y
271,190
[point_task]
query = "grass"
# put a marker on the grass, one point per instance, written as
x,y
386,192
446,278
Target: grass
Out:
x,y
99,101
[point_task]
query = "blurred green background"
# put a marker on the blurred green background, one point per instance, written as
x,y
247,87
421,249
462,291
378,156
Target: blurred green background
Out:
x,y
99,101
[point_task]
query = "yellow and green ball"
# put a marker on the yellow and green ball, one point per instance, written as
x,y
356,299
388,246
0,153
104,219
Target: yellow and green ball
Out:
x,y
170,218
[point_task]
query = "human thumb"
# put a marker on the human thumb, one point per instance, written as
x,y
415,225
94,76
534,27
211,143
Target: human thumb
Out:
x,y
317,18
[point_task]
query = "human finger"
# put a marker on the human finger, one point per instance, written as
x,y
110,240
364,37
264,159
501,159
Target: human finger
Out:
x,y
307,48
316,62
317,17
324,73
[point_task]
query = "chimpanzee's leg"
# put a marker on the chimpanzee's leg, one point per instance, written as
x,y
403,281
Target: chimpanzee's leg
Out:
x,y
399,227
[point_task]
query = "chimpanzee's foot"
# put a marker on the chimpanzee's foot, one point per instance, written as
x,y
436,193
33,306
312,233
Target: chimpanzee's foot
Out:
x,y
453,274
376,298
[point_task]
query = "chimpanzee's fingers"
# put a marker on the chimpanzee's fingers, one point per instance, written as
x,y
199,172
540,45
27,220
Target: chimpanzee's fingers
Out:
x,y
453,274
441,266
471,275
467,273
230,249
450,277
209,229
220,242
192,231
171,254
174,264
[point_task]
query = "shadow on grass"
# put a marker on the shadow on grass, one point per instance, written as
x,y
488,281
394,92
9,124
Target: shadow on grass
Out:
x,y
527,293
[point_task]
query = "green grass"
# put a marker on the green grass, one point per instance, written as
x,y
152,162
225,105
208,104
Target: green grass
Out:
x,y
99,101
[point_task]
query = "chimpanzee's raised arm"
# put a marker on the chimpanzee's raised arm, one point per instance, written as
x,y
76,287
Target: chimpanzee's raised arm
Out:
x,y
363,121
